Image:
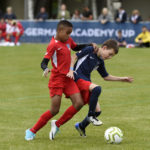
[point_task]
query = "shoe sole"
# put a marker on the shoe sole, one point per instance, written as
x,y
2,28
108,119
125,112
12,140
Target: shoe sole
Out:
x,y
97,124
30,139
51,136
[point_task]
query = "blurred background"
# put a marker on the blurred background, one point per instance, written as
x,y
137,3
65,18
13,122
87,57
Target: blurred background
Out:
x,y
22,8
93,20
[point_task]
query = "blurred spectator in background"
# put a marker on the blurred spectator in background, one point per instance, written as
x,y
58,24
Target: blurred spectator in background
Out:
x,y
13,29
9,30
42,15
9,14
148,19
121,16
104,16
120,39
1,14
2,28
18,31
63,13
143,39
87,14
135,17
76,16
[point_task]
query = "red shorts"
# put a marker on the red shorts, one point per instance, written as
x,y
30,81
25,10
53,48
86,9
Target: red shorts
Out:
x,y
3,34
59,83
83,86
17,34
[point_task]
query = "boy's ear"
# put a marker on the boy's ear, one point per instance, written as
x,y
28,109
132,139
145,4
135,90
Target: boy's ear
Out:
x,y
104,47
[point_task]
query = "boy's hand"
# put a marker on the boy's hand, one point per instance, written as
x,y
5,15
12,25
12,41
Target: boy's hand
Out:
x,y
45,73
95,47
127,79
140,41
70,74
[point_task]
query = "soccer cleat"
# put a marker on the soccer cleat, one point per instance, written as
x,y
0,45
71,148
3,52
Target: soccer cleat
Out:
x,y
54,130
80,130
18,43
95,121
29,135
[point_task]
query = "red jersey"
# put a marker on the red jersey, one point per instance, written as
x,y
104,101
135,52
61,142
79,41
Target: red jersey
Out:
x,y
21,29
3,27
60,55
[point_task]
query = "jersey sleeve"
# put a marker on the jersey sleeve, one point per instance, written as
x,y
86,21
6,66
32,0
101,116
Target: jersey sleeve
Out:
x,y
50,51
138,37
85,51
102,70
73,43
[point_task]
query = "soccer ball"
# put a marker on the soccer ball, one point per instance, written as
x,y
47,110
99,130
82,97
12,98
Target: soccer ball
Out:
x,y
113,135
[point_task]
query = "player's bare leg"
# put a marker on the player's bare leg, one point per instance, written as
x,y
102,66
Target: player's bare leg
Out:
x,y
55,104
44,118
77,101
68,114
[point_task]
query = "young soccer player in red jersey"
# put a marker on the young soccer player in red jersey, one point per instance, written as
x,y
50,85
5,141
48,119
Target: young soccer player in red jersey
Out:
x,y
2,28
18,31
59,52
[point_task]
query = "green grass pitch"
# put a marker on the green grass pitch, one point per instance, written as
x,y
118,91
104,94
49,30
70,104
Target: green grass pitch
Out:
x,y
24,96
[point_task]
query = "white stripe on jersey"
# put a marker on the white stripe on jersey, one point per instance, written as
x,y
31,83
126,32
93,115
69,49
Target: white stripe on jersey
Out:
x,y
96,67
80,61
55,59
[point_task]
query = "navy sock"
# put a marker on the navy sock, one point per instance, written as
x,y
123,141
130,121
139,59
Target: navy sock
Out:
x,y
93,100
85,122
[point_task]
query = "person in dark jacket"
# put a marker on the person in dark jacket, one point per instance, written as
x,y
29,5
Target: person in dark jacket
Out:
x,y
135,17
121,16
42,15
9,14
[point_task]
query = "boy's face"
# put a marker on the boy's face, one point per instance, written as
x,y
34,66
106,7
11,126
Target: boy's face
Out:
x,y
106,53
119,34
144,29
64,33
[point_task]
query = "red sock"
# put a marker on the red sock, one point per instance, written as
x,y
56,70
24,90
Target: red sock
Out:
x,y
45,117
16,39
68,114
7,40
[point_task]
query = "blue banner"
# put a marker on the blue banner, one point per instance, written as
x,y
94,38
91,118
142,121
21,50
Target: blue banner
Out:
x,y
83,32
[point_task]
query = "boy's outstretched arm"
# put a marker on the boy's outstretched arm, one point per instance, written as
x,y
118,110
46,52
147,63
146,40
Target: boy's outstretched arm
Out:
x,y
81,46
115,78
73,60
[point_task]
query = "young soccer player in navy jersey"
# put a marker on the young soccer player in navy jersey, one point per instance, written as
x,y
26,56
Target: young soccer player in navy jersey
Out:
x,y
87,61
58,51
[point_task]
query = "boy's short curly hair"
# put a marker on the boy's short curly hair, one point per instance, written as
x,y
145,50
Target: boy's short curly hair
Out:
x,y
64,23
111,44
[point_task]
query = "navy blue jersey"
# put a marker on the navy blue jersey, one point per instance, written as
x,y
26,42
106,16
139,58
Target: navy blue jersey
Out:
x,y
120,39
86,63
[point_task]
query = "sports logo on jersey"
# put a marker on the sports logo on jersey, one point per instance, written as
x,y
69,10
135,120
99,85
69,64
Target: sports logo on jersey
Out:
x,y
95,68
91,57
59,48
68,46
46,53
